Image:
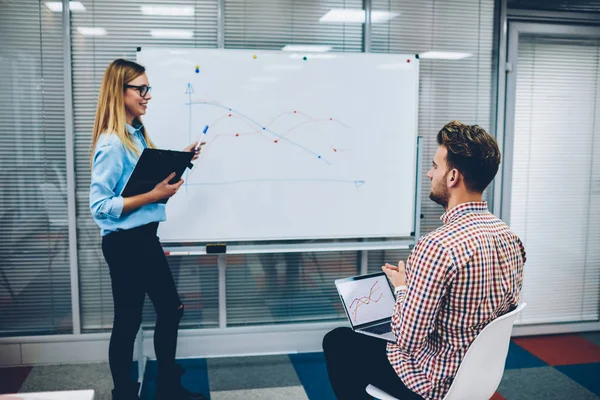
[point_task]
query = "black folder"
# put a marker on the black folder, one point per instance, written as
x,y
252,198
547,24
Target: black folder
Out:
x,y
153,166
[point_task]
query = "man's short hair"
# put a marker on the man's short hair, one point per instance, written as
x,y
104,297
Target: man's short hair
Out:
x,y
472,151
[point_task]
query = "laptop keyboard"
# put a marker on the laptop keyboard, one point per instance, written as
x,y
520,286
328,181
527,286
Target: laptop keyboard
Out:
x,y
379,329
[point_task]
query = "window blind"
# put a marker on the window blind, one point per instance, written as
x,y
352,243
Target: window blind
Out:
x,y
449,89
35,288
286,288
555,191
273,24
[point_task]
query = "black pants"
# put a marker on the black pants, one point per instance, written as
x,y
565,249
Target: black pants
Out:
x,y
355,361
138,266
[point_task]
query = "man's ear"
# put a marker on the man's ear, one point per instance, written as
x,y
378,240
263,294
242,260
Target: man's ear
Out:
x,y
453,177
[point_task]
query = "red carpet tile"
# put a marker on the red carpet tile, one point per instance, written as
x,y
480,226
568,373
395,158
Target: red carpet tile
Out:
x,y
497,396
561,349
11,379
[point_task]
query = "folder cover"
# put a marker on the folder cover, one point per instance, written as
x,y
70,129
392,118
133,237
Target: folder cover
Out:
x,y
153,166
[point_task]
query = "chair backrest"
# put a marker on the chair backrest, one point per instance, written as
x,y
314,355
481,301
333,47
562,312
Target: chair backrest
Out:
x,y
482,368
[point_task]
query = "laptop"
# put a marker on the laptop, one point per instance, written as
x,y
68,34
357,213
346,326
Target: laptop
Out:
x,y
369,303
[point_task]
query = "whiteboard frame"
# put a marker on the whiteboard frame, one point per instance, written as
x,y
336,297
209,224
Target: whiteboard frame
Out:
x,y
197,246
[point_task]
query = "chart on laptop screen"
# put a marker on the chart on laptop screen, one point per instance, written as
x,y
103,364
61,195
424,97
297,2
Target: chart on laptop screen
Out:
x,y
367,300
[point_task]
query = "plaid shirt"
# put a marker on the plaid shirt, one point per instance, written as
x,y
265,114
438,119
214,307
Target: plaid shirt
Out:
x,y
459,278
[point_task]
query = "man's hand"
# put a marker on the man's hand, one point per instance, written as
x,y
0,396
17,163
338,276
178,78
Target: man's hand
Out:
x,y
396,275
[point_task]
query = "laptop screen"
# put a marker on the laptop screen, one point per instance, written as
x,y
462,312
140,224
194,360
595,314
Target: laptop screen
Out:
x,y
366,299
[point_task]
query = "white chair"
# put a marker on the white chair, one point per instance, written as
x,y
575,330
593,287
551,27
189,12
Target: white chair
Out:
x,y
482,367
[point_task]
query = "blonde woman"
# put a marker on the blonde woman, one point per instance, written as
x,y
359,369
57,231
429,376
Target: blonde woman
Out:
x,y
128,226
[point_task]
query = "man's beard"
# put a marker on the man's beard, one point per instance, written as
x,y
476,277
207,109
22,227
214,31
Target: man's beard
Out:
x,y
440,195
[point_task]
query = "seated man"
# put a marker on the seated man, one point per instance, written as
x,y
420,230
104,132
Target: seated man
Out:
x,y
457,279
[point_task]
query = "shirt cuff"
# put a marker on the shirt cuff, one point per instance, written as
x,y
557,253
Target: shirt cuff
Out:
x,y
116,207
399,289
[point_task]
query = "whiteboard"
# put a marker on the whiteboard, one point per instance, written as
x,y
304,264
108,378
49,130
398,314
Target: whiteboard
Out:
x,y
299,146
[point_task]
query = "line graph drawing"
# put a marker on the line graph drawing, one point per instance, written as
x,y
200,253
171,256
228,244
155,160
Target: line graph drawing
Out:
x,y
190,90
357,302
293,126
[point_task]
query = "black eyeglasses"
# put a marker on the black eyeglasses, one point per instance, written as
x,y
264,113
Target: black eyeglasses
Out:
x,y
142,90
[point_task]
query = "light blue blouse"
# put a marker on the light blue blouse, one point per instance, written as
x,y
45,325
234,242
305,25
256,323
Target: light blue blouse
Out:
x,y
112,166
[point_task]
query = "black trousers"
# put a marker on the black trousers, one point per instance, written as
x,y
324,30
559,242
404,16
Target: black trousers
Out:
x,y
355,361
138,266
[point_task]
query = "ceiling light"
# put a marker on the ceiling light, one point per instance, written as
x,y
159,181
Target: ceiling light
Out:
x,y
444,55
56,6
306,48
172,33
89,31
356,15
170,11
378,17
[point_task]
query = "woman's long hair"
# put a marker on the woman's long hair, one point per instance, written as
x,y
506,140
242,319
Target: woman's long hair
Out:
x,y
110,113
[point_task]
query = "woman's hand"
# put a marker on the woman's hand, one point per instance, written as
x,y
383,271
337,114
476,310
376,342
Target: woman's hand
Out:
x,y
164,190
192,148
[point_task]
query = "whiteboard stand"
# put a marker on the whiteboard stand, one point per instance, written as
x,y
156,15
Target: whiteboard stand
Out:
x,y
222,263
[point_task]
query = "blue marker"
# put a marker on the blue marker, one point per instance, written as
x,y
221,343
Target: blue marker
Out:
x,y
200,141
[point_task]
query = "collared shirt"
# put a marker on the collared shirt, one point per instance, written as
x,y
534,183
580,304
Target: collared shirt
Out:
x,y
459,278
112,166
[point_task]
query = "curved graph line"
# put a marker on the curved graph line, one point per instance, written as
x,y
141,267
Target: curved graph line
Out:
x,y
265,129
259,132
315,122
365,299
308,120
